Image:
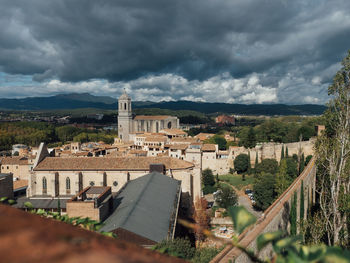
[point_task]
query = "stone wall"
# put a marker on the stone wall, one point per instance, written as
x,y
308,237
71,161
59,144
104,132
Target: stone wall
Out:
x,y
276,217
6,185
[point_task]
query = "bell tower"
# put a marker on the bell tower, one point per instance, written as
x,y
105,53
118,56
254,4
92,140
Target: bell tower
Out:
x,y
124,117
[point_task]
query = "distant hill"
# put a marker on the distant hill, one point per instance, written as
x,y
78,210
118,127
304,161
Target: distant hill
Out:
x,y
86,100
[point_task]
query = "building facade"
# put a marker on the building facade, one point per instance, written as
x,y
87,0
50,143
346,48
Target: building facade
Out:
x,y
128,125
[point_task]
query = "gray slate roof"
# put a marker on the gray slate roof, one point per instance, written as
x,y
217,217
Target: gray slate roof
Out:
x,y
146,206
41,203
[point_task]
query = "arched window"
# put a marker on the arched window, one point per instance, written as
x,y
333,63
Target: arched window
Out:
x,y
44,185
67,183
124,106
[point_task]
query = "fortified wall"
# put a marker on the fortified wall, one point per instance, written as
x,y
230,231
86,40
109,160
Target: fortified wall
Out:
x,y
276,217
273,150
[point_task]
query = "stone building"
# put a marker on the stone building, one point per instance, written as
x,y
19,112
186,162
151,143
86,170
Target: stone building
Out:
x,y
19,166
62,177
127,124
6,185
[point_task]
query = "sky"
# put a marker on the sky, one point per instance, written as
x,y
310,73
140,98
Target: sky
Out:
x,y
233,51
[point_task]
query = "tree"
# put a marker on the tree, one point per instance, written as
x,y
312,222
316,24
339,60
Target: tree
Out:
x,y
286,152
302,202
302,163
249,163
219,140
293,215
241,163
292,168
201,217
256,159
264,191
282,152
250,141
179,247
333,152
226,197
267,166
208,181
307,159
282,178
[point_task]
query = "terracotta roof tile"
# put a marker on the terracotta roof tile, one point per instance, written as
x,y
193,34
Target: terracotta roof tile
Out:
x,y
19,184
25,237
208,148
179,146
173,132
108,163
14,160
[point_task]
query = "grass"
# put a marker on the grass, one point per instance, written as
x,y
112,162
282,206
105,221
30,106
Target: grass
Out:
x,y
236,180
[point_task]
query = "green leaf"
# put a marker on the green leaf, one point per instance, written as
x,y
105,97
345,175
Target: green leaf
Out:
x,y
40,211
336,255
313,253
285,243
266,238
3,199
11,201
28,205
109,234
241,218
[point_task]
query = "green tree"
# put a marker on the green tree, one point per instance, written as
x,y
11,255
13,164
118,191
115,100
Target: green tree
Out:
x,y
219,140
293,215
256,159
302,202
267,166
333,153
208,181
282,152
250,140
287,155
282,178
241,163
264,191
249,163
179,247
226,197
292,168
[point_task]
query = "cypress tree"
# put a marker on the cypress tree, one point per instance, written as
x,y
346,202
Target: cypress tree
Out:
x,y
286,152
59,206
282,152
302,164
302,209
256,159
249,164
293,215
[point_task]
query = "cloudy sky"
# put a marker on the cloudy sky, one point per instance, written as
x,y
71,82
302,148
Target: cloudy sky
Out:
x,y
236,51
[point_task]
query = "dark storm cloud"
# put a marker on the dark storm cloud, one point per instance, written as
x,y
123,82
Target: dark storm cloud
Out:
x,y
279,42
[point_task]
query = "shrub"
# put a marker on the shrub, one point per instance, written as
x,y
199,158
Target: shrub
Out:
x,y
241,163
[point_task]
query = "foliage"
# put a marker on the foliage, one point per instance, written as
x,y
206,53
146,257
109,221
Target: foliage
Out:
x,y
333,163
226,197
282,152
205,254
302,202
247,138
293,215
292,169
267,166
282,178
179,247
241,163
209,189
264,191
219,140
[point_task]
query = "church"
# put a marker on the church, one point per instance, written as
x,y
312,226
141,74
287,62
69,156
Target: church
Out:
x,y
127,124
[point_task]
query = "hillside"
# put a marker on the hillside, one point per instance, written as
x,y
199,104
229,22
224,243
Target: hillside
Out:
x,y
86,100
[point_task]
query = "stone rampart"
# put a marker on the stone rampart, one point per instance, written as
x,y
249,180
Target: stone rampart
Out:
x,y
276,217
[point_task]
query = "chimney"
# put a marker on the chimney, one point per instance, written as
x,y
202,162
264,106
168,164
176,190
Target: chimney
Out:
x,y
157,167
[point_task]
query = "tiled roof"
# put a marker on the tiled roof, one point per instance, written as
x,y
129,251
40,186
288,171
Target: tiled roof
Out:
x,y
108,163
19,184
184,139
179,146
203,136
158,117
14,160
173,132
25,237
155,138
208,148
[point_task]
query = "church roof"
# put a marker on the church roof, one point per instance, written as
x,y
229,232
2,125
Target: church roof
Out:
x,y
109,163
147,207
155,118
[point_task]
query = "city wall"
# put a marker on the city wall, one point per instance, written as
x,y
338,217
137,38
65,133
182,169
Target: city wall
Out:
x,y
276,217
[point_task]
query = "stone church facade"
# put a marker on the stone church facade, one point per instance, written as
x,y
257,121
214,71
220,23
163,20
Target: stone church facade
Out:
x,y
127,124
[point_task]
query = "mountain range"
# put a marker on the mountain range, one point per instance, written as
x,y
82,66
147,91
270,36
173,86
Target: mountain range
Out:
x,y
86,100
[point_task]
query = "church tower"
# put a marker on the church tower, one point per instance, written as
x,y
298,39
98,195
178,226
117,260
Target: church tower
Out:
x,y
124,117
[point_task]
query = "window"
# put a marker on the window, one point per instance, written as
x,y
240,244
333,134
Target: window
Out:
x,y
92,183
124,106
67,183
44,185
115,183
7,167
